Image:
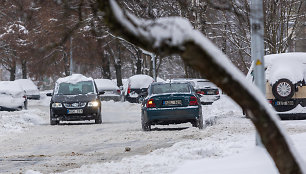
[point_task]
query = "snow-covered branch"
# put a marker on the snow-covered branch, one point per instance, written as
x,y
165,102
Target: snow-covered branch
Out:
x,y
175,35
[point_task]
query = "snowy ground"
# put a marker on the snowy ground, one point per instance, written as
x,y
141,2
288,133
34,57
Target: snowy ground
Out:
x,y
30,145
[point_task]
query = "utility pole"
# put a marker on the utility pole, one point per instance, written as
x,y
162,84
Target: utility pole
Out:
x,y
71,58
257,48
153,57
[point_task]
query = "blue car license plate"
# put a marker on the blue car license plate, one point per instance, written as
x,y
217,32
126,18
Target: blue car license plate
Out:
x,y
172,102
75,111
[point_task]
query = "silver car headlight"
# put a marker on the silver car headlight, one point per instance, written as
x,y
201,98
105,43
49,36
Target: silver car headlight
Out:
x,y
57,105
93,104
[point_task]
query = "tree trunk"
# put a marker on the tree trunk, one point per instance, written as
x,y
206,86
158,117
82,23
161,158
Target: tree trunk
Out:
x,y
24,69
66,64
139,62
106,68
117,65
12,71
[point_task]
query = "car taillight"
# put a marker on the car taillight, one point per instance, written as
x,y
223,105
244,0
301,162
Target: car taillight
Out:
x,y
24,96
129,90
118,91
201,92
217,93
193,101
151,104
270,101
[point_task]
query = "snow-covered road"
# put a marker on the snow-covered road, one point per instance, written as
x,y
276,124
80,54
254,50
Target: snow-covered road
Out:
x,y
119,145
29,142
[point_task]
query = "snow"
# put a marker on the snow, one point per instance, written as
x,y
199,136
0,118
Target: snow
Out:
x,y
255,160
11,87
11,94
140,81
286,65
73,79
106,84
28,86
225,146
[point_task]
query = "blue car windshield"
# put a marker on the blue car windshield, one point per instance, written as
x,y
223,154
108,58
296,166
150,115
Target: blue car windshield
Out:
x,y
83,87
170,88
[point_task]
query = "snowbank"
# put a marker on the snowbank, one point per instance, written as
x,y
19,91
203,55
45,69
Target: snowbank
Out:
x,y
19,121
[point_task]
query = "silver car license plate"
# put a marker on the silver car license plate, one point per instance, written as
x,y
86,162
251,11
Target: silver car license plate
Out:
x,y
210,92
172,102
75,111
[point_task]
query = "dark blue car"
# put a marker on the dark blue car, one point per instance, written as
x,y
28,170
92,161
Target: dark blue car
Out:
x,y
171,103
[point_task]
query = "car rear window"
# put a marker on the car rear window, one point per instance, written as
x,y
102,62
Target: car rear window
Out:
x,y
170,88
83,87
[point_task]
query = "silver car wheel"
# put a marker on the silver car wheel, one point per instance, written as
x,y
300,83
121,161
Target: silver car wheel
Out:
x,y
283,89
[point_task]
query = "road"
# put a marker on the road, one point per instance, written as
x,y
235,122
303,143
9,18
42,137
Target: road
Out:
x,y
47,148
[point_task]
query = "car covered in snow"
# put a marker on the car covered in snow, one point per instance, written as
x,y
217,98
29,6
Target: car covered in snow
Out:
x,y
110,89
137,87
75,98
171,103
12,96
30,88
285,83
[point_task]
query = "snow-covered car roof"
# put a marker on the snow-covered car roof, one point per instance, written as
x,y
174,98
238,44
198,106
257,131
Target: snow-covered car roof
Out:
x,y
11,88
73,79
28,85
203,83
140,81
106,84
182,80
291,66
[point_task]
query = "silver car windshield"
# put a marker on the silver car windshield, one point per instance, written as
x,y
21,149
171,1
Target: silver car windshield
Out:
x,y
83,87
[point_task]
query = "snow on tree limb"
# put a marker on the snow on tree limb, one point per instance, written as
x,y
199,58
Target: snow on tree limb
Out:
x,y
175,35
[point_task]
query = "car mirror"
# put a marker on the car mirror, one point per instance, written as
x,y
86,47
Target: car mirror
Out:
x,y
121,88
49,94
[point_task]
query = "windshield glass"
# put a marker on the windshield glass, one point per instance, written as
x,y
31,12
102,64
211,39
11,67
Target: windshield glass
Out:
x,y
83,87
170,88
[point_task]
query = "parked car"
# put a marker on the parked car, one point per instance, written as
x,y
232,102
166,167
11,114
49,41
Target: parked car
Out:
x,y
208,91
30,88
137,87
110,89
12,96
285,83
171,103
75,98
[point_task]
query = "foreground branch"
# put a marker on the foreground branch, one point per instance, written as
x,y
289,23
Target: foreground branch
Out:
x,y
166,36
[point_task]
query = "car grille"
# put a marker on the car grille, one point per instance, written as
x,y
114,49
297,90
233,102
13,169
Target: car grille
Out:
x,y
75,105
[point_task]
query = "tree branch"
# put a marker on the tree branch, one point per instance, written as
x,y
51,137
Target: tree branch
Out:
x,y
173,35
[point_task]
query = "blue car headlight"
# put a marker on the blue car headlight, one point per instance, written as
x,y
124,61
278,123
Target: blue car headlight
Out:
x,y
93,104
57,105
